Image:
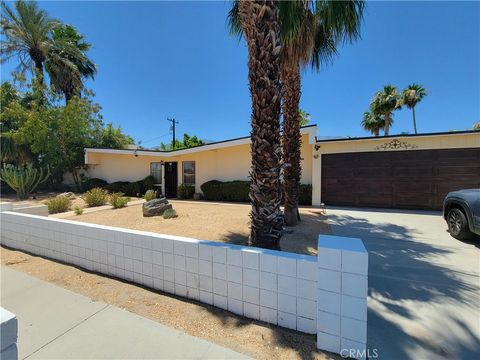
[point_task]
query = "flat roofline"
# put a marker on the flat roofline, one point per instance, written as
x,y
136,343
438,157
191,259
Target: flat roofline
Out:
x,y
463,132
209,146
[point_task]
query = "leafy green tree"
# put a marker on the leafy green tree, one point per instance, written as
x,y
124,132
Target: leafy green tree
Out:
x,y
26,31
411,96
112,138
67,63
476,126
373,123
384,103
188,142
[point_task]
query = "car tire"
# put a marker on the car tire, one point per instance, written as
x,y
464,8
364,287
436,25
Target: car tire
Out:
x,y
458,224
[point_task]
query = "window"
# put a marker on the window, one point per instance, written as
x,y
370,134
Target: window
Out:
x,y
156,172
189,172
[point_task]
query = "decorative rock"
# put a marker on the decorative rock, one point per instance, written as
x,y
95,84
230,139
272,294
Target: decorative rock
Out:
x,y
197,196
155,207
69,194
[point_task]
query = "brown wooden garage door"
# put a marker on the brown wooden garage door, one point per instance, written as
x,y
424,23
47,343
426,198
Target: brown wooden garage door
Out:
x,y
412,179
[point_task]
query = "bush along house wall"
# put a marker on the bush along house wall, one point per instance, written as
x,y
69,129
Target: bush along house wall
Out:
x,y
285,289
238,190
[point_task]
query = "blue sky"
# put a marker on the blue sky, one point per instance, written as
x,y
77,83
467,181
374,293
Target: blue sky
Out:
x,y
175,59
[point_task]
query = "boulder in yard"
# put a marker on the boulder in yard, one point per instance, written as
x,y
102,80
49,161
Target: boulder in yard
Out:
x,y
68,194
155,207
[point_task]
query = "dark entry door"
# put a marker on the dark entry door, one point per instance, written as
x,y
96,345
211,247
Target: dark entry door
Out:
x,y
413,179
171,179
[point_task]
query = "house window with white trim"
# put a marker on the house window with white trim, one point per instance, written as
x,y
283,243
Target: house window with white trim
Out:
x,y
188,172
156,172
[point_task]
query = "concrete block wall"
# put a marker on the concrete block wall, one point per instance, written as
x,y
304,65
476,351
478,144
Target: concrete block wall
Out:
x,y
276,287
342,295
25,208
8,334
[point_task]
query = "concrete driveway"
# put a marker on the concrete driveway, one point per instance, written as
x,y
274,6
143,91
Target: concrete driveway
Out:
x,y
424,287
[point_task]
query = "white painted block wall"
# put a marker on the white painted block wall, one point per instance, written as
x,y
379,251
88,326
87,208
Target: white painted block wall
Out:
x,y
280,288
342,295
8,334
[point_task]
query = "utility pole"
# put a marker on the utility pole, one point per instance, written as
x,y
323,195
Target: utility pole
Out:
x,y
172,128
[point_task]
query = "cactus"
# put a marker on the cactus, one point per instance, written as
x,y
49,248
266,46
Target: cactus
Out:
x,y
23,179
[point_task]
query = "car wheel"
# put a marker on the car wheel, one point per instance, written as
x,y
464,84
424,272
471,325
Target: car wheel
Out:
x,y
458,224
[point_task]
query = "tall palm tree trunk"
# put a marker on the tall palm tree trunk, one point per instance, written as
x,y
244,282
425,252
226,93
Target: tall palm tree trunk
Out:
x,y
387,124
376,132
259,21
291,142
414,120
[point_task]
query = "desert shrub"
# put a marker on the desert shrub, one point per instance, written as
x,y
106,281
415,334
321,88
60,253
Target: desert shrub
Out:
x,y
128,188
95,197
78,210
58,204
117,200
186,191
169,214
305,194
236,190
147,183
89,184
150,195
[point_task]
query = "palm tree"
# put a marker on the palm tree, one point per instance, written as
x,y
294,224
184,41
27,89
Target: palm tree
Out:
x,y
304,117
310,32
411,96
259,21
26,31
67,63
373,123
384,103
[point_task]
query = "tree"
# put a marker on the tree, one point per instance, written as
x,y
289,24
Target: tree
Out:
x,y
112,138
411,96
188,142
384,103
373,123
259,21
309,32
476,126
67,63
26,31
304,117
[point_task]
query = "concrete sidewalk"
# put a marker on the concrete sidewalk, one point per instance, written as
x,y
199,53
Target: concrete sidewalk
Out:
x,y
55,323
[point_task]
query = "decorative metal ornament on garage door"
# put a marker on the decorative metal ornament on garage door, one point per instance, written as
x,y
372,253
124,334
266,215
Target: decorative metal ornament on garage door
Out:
x,y
395,145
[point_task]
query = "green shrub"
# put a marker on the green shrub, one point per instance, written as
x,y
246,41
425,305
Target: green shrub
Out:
x,y
58,204
150,195
238,191
186,191
169,214
89,184
78,210
95,197
128,188
117,200
305,194
226,191
147,183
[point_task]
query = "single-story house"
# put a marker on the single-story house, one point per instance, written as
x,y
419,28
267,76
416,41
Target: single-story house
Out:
x,y
397,171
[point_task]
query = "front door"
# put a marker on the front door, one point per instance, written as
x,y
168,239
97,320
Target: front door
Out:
x,y
171,179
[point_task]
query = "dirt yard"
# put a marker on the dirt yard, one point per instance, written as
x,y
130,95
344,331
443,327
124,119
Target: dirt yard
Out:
x,y
209,221
256,339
